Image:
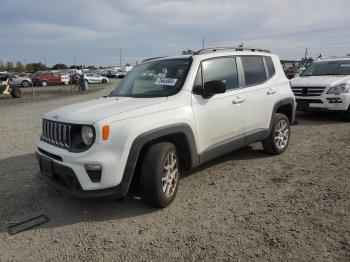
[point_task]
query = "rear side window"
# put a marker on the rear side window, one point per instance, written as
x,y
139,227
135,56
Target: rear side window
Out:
x,y
254,70
270,66
224,69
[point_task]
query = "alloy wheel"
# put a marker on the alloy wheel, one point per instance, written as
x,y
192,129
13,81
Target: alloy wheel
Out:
x,y
282,134
170,176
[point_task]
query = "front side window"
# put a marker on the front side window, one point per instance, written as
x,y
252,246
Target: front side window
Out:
x,y
254,70
154,79
328,68
224,69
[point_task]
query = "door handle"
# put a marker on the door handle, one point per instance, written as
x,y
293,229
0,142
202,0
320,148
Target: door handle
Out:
x,y
237,101
271,92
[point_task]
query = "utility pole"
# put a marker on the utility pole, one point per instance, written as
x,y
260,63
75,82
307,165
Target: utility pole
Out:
x,y
120,57
203,42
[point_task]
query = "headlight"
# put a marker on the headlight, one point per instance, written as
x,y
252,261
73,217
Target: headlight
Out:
x,y
339,89
87,134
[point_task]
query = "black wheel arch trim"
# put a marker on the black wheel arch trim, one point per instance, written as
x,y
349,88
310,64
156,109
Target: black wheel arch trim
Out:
x,y
283,102
149,136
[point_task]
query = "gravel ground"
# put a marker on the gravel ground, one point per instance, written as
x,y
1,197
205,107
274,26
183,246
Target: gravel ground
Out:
x,y
245,206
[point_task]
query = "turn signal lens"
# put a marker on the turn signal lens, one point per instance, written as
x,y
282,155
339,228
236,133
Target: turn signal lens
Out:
x,y
105,132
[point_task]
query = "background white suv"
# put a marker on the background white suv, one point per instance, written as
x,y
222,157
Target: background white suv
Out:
x,y
168,115
324,86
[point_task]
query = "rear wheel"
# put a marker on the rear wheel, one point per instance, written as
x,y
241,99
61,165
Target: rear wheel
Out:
x,y
159,180
278,140
44,83
16,92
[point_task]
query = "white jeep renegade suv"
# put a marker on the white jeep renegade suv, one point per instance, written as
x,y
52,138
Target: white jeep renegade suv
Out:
x,y
168,115
324,86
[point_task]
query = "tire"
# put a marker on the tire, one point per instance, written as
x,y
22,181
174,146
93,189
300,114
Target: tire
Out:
x,y
274,144
16,92
159,177
25,83
44,83
104,81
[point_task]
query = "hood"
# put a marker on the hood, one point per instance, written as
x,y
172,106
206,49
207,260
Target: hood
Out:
x,y
323,81
91,111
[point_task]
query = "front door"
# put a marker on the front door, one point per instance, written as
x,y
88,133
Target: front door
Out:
x,y
219,119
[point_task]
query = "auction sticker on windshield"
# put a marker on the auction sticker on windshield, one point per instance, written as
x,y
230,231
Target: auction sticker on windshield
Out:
x,y
166,81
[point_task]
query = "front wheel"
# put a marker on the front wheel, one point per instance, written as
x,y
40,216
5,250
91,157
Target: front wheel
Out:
x,y
278,140
104,81
160,176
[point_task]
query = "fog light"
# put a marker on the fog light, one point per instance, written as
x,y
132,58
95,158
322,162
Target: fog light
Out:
x,y
94,171
335,100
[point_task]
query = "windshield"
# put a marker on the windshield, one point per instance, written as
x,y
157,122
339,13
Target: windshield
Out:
x,y
328,68
154,79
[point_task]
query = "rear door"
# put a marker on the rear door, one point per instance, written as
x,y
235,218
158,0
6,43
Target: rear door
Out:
x,y
219,119
261,92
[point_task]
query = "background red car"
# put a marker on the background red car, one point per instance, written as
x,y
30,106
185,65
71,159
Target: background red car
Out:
x,y
46,79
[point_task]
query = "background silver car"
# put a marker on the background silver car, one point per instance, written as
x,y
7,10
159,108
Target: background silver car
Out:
x,y
23,81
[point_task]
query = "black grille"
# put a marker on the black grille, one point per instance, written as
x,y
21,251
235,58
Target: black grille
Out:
x,y
57,133
308,90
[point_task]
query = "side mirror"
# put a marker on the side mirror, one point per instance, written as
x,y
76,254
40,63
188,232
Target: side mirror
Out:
x,y
214,87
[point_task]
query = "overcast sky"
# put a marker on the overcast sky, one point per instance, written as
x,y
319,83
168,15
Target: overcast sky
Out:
x,y
93,31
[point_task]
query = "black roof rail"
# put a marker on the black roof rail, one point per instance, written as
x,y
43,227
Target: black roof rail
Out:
x,y
152,58
214,49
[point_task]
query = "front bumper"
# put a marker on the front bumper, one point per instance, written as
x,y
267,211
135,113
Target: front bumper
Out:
x,y
68,174
323,103
65,181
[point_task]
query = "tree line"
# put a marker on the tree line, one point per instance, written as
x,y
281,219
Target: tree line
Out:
x,y
34,67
